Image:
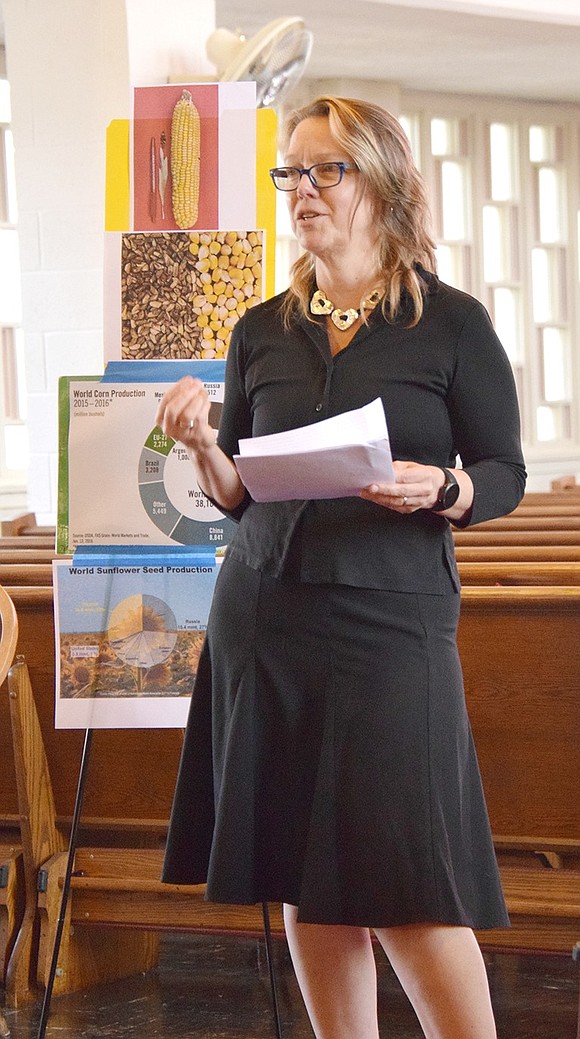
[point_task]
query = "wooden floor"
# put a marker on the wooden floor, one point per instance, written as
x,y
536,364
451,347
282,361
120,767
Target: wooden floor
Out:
x,y
218,988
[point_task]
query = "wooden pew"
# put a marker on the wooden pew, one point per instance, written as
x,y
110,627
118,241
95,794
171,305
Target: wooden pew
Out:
x,y
525,884
482,536
518,553
117,903
12,902
529,770
14,556
524,509
8,633
522,521
567,482
526,573
27,543
570,496
119,808
116,754
25,526
25,574
521,661
517,611
11,860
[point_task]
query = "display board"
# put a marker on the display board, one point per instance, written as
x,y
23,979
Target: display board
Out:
x,y
129,631
121,480
190,217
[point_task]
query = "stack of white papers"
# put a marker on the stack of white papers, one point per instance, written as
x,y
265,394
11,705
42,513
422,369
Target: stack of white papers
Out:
x,y
333,458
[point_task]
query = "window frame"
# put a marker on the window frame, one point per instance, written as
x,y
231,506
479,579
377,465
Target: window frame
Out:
x,y
12,395
477,114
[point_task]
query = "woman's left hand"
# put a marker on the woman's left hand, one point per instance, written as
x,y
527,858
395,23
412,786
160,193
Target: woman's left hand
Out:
x,y
416,487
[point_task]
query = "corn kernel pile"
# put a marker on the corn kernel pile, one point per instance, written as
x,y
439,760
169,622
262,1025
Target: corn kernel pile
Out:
x,y
182,292
230,274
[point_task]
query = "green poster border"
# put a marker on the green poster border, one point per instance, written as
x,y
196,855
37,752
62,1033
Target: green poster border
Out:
x,y
63,546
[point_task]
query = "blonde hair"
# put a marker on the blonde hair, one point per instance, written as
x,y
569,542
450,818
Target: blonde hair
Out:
x,y
376,142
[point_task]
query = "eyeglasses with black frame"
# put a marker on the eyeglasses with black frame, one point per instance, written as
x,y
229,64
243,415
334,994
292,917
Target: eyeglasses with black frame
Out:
x,y
321,175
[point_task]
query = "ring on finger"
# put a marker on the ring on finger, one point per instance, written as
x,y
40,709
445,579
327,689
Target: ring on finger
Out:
x,y
404,500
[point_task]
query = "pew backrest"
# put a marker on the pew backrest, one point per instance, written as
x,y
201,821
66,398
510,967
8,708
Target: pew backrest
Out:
x,y
482,535
515,573
523,521
8,633
520,654
30,541
125,792
26,525
25,573
29,556
517,553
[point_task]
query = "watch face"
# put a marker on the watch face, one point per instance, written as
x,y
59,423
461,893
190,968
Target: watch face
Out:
x,y
450,494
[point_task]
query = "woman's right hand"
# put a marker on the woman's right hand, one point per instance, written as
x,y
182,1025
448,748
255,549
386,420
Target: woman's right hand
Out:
x,y
183,415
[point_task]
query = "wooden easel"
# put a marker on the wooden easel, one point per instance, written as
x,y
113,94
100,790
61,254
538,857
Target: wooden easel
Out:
x,y
9,637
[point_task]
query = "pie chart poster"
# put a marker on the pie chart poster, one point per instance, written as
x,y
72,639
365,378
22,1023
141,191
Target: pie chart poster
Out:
x,y
121,481
129,633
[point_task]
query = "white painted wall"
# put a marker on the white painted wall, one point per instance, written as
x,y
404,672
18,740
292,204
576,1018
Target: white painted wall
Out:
x,y
71,64
566,12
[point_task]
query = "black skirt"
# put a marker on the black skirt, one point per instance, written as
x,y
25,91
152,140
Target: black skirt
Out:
x,y
328,760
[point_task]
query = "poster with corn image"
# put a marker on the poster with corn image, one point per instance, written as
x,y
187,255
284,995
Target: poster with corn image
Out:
x,y
187,252
193,156
129,631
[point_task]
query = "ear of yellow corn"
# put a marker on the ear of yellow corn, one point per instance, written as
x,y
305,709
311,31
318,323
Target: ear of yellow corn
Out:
x,y
185,152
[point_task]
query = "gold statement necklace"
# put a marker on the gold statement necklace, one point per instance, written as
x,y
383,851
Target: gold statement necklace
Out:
x,y
343,319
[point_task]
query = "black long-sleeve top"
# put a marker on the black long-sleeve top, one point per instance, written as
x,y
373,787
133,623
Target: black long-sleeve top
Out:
x,y
447,389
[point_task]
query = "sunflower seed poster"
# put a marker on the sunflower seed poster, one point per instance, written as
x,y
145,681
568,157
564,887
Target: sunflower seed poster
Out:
x,y
121,480
129,629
